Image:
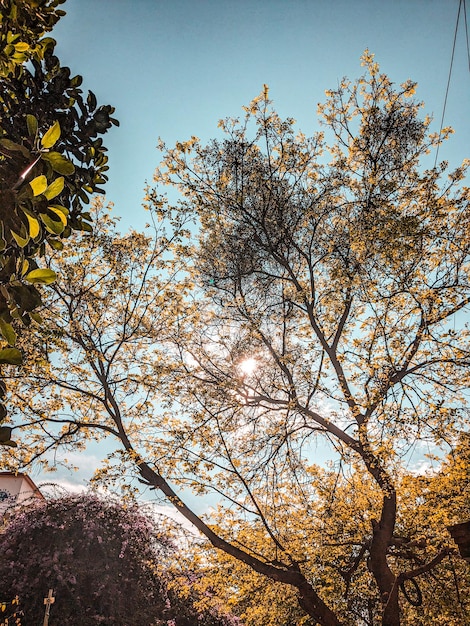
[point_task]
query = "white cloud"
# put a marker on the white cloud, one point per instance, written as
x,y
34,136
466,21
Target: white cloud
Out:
x,y
424,467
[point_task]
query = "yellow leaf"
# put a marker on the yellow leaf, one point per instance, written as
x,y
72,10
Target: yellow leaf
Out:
x,y
21,241
38,185
51,136
60,213
34,227
55,188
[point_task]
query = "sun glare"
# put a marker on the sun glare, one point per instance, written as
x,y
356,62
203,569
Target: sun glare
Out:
x,y
248,366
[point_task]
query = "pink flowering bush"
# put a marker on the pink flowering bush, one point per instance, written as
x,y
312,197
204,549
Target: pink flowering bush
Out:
x,y
105,563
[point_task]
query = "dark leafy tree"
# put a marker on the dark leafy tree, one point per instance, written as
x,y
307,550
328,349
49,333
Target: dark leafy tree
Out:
x,y
51,159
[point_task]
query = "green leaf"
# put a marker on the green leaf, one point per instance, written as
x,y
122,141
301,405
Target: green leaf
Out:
x,y
56,244
83,197
41,277
21,241
53,226
15,147
55,188
60,214
59,163
32,123
38,185
11,145
62,209
7,331
11,356
21,46
19,57
37,318
51,136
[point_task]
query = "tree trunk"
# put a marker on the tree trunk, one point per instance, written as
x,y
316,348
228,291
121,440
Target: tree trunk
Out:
x,y
378,564
382,536
320,612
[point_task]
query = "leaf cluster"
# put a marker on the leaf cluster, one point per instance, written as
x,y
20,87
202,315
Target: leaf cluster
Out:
x,y
51,159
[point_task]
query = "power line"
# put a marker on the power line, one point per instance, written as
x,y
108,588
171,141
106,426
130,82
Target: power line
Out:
x,y
461,3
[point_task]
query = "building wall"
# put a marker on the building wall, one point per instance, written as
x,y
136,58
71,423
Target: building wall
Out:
x,y
16,489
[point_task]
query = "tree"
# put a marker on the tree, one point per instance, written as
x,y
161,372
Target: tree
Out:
x,y
320,307
105,563
431,500
51,159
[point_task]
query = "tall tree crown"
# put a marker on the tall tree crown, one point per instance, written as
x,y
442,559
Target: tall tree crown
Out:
x,y
337,265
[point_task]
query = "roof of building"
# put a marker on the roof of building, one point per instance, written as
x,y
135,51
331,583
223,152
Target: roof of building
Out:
x,y
31,484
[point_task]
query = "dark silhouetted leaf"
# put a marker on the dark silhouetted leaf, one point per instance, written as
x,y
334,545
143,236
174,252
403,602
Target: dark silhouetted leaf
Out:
x,y
11,356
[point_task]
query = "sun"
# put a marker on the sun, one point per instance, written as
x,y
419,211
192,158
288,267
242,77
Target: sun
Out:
x,y
248,366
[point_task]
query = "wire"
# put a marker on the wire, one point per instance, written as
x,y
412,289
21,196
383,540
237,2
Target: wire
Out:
x,y
462,2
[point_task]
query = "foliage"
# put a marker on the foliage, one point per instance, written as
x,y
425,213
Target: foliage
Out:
x,y
126,288
331,538
11,613
105,562
51,159
340,268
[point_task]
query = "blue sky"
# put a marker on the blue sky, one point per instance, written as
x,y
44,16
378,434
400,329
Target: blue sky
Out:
x,y
173,68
